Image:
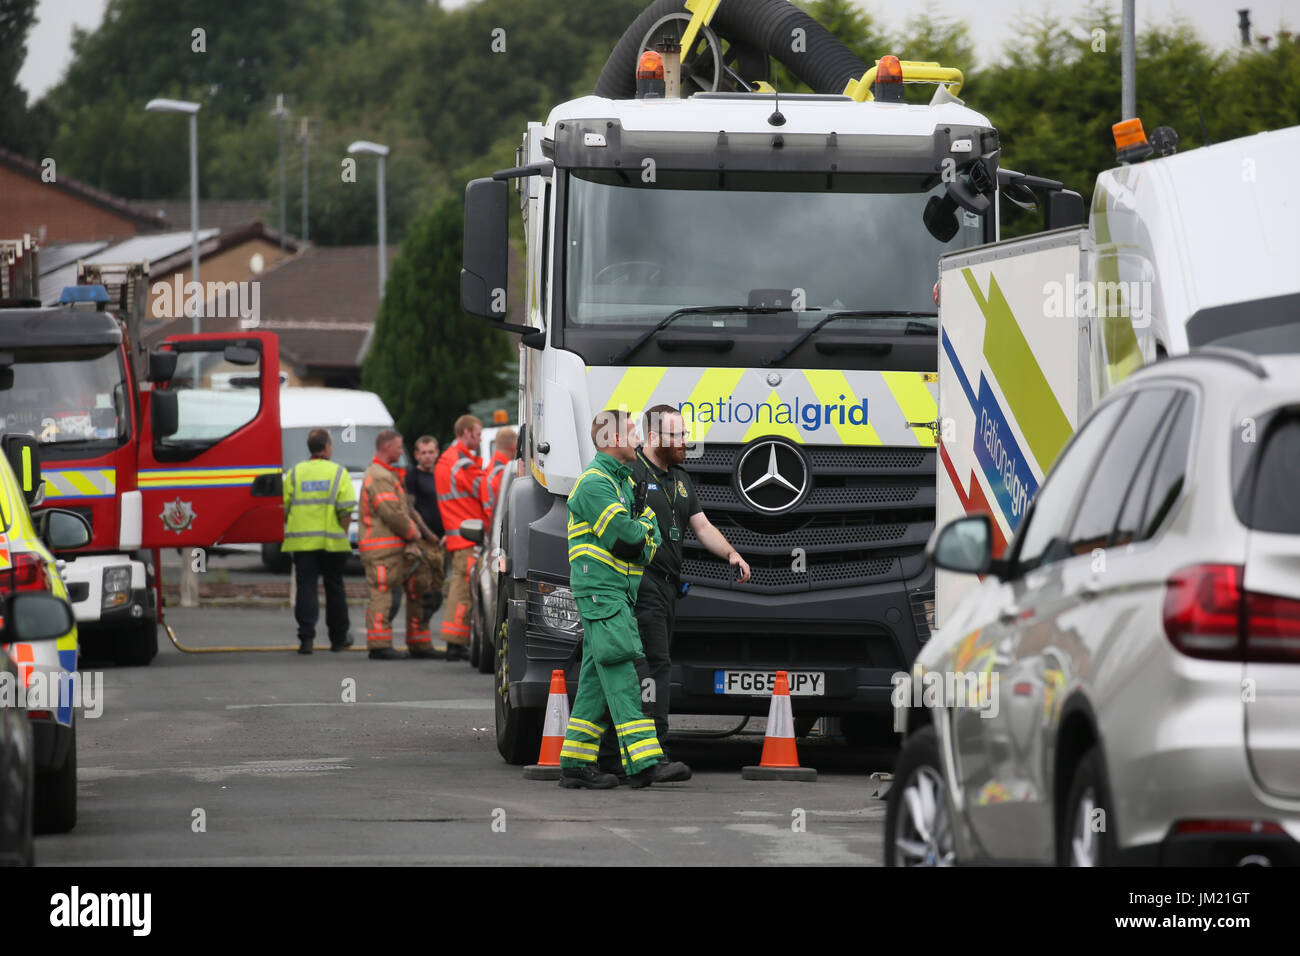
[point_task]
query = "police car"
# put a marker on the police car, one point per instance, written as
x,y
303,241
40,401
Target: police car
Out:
x,y
45,684
27,618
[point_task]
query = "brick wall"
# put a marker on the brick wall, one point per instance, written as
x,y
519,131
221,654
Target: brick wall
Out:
x,y
26,205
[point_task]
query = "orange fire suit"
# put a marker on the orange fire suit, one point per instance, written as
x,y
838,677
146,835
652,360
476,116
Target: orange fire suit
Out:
x,y
459,479
492,485
388,542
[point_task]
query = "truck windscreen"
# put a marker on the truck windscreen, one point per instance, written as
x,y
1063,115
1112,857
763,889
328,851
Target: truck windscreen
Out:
x,y
67,396
637,250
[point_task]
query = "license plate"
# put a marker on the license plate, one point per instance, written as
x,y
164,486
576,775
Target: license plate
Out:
x,y
762,683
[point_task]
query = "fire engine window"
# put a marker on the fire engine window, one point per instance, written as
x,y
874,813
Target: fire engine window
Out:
x,y
68,396
215,398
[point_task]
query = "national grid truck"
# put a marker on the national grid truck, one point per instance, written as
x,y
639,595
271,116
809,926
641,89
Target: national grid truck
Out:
x,y
767,264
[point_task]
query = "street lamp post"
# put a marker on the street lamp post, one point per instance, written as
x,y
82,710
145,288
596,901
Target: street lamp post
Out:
x,y
189,575
376,149
281,114
192,109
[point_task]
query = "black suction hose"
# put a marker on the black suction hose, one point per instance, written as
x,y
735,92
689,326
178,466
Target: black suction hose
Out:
x,y
823,62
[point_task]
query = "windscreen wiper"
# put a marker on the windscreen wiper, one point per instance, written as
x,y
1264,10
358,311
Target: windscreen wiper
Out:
x,y
848,314
673,316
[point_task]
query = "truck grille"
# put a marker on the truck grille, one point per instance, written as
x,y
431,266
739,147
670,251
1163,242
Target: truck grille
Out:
x,y
868,509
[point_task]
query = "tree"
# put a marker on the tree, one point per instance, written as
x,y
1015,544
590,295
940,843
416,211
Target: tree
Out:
x,y
22,130
429,360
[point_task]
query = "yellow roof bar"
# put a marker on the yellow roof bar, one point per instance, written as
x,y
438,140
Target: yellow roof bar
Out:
x,y
914,71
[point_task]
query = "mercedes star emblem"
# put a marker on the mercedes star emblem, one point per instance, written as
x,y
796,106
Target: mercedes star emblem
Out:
x,y
772,476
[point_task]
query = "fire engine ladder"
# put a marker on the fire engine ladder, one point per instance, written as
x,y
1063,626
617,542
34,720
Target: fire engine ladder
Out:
x,y
20,276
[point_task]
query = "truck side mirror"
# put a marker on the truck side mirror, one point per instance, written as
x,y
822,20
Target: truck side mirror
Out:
x,y
240,355
24,455
63,530
1064,208
162,365
487,223
472,530
164,413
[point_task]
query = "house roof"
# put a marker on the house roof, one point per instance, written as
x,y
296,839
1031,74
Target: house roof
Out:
x,y
223,214
321,303
151,248
85,191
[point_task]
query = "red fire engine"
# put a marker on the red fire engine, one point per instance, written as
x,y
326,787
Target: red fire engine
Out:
x,y
188,457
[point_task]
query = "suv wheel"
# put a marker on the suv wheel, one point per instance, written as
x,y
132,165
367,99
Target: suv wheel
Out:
x,y
56,794
1088,836
918,826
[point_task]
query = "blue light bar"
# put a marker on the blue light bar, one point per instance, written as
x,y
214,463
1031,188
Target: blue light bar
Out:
x,y
83,293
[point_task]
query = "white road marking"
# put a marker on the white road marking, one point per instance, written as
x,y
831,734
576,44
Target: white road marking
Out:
x,y
469,704
296,766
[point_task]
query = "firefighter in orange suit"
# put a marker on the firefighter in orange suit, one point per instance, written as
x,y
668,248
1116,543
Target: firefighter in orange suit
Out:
x,y
390,552
460,482
504,448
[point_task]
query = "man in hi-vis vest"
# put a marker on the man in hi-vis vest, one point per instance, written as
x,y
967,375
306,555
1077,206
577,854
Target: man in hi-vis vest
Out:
x,y
318,503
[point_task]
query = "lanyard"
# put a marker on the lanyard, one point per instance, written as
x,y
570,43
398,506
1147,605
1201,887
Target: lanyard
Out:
x,y
665,482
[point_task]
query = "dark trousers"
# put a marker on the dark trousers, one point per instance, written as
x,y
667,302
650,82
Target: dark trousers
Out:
x,y
307,567
656,608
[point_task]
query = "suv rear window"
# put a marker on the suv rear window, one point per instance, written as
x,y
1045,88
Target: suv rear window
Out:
x,y
1266,498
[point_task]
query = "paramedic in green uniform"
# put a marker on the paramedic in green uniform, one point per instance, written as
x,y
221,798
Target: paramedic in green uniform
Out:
x,y
672,498
612,537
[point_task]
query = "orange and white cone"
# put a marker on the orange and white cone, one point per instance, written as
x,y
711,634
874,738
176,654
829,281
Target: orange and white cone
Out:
x,y
557,722
780,760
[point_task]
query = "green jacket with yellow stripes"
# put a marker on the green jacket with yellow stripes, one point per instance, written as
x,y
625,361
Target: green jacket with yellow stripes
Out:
x,y
608,547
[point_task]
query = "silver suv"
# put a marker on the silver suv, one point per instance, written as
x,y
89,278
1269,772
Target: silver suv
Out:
x,y
1123,686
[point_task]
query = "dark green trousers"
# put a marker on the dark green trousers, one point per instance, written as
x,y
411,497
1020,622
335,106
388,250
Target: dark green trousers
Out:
x,y
656,604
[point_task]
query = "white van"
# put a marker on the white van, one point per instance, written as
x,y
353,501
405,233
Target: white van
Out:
x,y
353,419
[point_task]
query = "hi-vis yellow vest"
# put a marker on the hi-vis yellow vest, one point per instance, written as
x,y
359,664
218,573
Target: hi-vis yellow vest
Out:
x,y
315,491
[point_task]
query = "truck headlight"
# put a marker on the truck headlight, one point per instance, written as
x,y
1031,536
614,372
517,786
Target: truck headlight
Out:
x,y
559,610
117,587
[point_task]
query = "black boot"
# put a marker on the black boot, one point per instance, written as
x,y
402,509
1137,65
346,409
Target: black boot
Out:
x,y
387,654
457,652
586,778
664,772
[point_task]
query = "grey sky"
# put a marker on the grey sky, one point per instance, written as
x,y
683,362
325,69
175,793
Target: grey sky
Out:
x,y
49,46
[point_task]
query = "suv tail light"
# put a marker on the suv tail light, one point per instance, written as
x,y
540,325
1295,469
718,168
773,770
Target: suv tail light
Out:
x,y
28,573
1267,827
1207,614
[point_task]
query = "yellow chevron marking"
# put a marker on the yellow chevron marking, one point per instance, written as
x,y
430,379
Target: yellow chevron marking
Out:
x,y
832,388
634,389
916,399
783,429
716,384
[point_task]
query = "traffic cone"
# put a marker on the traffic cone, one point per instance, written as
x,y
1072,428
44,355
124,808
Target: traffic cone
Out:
x,y
780,760
557,722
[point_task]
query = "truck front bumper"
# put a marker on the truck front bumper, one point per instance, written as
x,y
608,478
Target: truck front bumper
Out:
x,y
858,638
84,577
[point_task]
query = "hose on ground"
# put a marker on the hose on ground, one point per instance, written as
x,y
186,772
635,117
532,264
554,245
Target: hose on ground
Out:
x,y
228,649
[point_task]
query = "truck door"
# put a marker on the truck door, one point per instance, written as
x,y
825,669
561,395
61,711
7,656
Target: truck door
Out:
x,y
217,478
